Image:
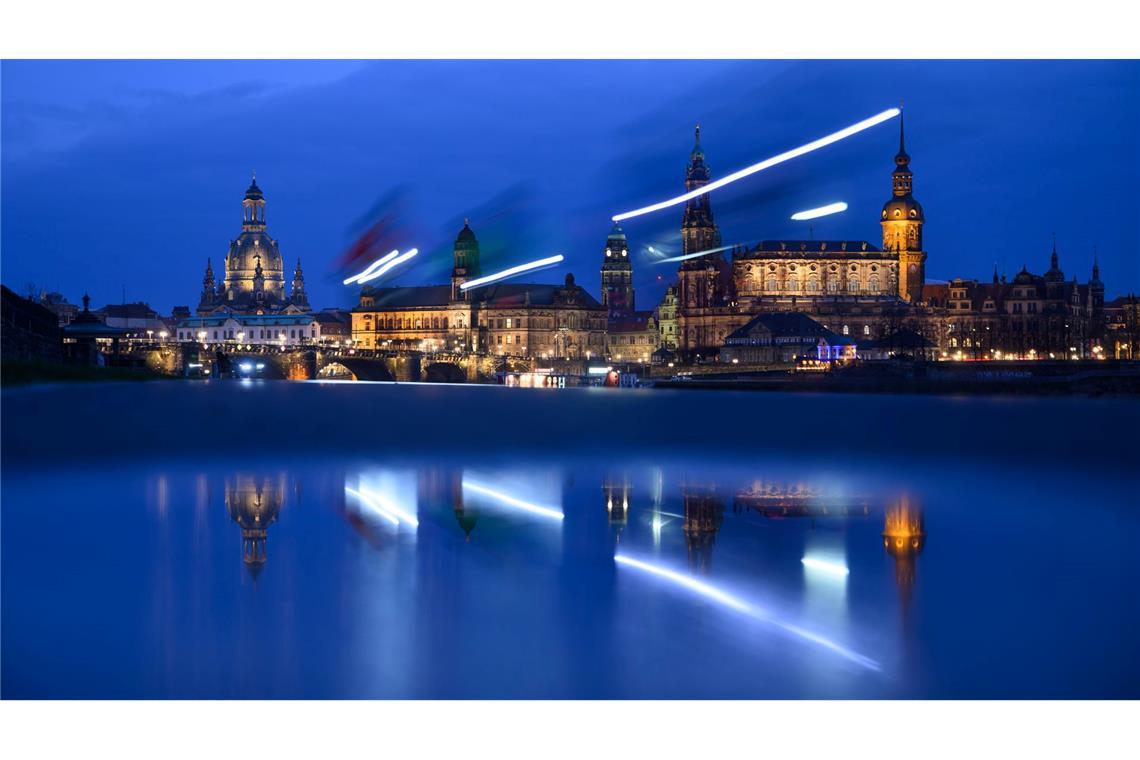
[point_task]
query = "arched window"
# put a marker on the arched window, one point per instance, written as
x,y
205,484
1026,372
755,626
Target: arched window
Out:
x,y
846,330
773,285
852,285
866,329
813,284
832,285
793,284
873,283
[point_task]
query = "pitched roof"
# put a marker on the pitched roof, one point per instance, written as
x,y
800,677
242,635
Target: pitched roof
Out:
x,y
789,325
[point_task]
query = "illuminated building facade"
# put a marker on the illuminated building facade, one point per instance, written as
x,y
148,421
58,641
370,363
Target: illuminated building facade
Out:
x,y
506,318
872,292
254,279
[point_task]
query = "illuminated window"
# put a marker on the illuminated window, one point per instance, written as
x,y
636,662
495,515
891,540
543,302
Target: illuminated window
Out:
x,y
866,329
846,330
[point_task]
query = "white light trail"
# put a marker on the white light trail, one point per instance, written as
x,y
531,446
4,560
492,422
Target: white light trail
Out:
x,y
696,255
372,267
390,506
513,502
685,581
767,163
815,213
831,568
376,508
711,592
511,272
385,269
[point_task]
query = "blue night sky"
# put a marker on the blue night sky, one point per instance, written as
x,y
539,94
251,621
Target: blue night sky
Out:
x,y
129,174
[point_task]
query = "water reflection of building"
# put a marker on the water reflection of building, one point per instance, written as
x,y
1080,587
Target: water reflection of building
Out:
x,y
904,535
616,491
254,503
704,513
774,500
465,515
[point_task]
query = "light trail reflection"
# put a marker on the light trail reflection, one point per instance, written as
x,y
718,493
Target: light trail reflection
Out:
x,y
510,501
373,507
710,592
767,163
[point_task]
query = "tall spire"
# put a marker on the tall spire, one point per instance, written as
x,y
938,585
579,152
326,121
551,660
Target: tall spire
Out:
x,y
1053,258
901,158
697,142
1096,266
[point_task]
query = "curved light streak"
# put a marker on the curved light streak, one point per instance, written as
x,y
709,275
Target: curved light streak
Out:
x,y
509,500
390,506
712,593
376,508
372,267
511,272
815,213
696,255
767,163
387,267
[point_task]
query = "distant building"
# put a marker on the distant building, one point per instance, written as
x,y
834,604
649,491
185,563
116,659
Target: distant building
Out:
x,y
784,337
60,306
254,271
335,325
507,318
287,330
30,331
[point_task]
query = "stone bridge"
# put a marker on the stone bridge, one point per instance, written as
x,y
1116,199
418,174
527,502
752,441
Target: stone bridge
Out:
x,y
317,363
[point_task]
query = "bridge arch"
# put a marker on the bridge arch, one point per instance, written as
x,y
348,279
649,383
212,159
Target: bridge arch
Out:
x,y
444,372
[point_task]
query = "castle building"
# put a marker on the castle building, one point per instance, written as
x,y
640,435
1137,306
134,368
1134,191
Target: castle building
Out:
x,y
254,281
505,318
870,293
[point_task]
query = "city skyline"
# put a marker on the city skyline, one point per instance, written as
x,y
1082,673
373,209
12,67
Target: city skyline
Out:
x,y
132,153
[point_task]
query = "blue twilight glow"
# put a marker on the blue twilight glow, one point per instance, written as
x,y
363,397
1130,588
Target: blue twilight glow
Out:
x,y
767,163
815,213
710,592
549,260
372,267
374,508
511,501
388,266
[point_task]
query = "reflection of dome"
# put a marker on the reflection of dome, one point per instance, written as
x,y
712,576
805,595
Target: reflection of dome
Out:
x,y
254,503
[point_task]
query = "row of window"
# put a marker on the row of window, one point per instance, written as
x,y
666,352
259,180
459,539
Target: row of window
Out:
x,y
793,285
261,334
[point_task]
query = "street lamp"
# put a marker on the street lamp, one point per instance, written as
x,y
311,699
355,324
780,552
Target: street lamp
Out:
x,y
162,335
150,336
201,336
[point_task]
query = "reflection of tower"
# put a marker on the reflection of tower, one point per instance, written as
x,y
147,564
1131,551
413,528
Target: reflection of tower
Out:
x,y
704,512
466,516
253,503
903,537
617,492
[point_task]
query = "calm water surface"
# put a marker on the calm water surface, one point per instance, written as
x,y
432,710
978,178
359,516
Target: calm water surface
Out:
x,y
615,574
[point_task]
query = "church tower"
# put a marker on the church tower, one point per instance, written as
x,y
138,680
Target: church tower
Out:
x,y
466,261
255,280
698,229
298,296
701,279
617,274
902,226
209,289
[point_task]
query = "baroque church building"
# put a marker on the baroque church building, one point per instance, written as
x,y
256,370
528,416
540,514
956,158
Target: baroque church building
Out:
x,y
254,281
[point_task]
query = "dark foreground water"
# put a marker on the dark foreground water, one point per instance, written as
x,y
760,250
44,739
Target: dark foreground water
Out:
x,y
209,566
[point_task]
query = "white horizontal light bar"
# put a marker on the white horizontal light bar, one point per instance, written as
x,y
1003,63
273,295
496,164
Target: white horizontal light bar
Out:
x,y
711,592
513,502
831,568
376,508
511,272
815,213
696,255
598,370
767,163
393,263
388,505
372,267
